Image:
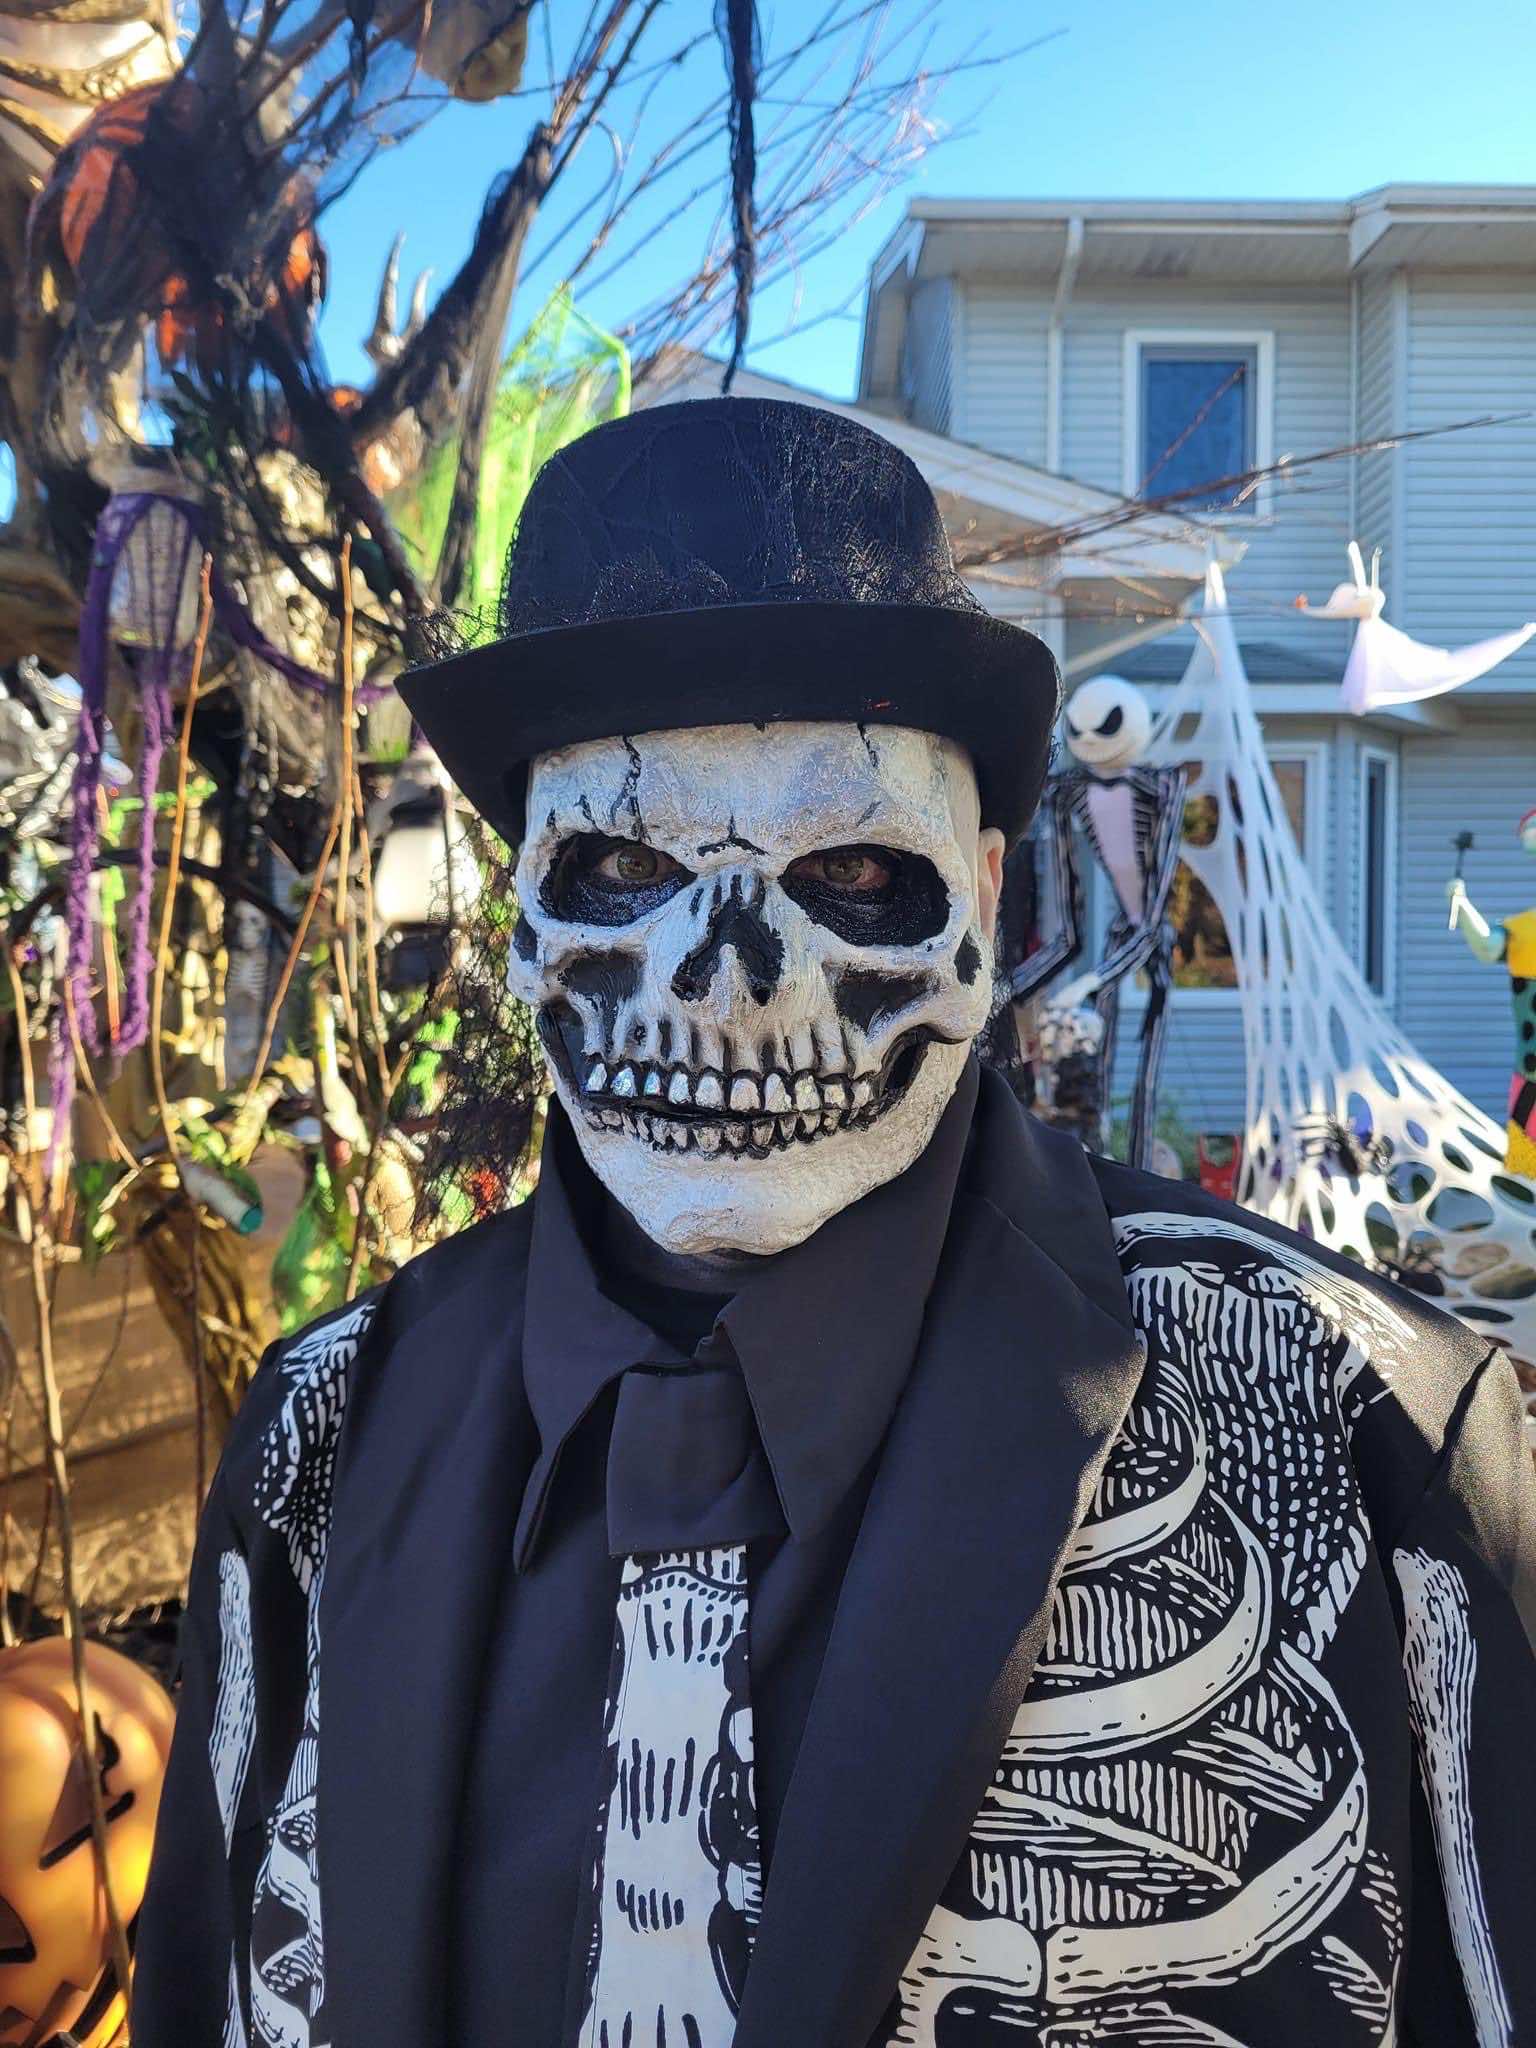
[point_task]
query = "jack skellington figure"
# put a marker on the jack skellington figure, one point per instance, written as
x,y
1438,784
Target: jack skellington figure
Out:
x,y
1132,817
839,1566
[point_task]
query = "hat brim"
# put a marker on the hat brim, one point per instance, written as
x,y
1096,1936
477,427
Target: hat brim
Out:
x,y
988,685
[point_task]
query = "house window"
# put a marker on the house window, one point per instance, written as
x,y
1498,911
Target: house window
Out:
x,y
1202,952
1197,411
1378,853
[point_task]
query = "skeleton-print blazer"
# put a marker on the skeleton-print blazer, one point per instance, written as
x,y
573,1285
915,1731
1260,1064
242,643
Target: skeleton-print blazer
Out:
x,y
1180,1691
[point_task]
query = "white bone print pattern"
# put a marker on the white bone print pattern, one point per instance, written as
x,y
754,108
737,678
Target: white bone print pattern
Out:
x,y
294,1497
676,1869
1182,1802
1440,1661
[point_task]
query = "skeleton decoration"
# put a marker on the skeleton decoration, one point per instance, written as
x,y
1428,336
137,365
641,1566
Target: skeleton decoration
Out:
x,y
1132,817
758,964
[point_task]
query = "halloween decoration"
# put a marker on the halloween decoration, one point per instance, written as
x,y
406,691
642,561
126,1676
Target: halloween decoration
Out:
x,y
877,1575
1132,816
1385,666
425,872
1069,1073
476,48
54,1939
1514,943
565,376
142,589
1323,1055
758,997
58,64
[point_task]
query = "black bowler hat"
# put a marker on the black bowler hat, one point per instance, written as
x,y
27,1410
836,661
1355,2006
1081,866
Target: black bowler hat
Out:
x,y
732,561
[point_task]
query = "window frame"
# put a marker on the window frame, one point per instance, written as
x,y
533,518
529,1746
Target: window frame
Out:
x,y
1375,755
1261,340
1317,754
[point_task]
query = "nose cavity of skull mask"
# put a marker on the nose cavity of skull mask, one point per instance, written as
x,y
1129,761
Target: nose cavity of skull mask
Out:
x,y
757,1007
736,921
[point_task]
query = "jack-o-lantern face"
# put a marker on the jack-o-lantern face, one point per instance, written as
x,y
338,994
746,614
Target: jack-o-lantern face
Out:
x,y
55,1940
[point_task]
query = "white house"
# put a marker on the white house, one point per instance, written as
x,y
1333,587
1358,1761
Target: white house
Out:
x,y
1045,362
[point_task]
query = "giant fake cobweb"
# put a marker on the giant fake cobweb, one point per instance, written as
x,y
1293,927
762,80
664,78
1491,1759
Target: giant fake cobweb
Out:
x,y
1352,1136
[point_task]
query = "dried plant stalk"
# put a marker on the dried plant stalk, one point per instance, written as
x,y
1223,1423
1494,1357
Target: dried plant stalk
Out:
x,y
42,1254
156,1014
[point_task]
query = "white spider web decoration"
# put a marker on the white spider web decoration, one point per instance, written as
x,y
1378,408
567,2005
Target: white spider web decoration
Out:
x,y
1429,1197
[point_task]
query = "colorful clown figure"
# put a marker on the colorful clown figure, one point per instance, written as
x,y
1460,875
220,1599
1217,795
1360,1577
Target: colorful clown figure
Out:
x,y
1514,942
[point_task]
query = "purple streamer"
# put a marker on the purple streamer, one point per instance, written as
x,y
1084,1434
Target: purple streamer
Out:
x,y
156,670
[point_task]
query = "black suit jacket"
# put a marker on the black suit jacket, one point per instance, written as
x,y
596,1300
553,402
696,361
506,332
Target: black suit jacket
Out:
x,y
1178,1692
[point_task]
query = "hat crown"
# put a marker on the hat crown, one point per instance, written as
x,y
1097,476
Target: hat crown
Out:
x,y
726,501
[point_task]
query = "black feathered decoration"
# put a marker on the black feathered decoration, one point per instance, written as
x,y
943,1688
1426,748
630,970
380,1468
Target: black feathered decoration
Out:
x,y
736,25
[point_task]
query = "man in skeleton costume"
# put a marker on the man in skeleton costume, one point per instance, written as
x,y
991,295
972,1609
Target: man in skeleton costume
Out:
x,y
839,1567
1133,818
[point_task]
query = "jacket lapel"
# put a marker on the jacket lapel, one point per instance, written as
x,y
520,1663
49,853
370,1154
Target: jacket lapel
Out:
x,y
1027,1365
425,1500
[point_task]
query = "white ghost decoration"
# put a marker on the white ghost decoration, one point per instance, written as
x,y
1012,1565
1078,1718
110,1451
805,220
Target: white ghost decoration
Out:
x,y
757,961
1387,667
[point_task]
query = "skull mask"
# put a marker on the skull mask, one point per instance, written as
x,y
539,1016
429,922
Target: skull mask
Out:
x,y
757,962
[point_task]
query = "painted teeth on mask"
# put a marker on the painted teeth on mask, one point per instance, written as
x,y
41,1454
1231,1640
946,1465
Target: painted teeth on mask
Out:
x,y
755,1113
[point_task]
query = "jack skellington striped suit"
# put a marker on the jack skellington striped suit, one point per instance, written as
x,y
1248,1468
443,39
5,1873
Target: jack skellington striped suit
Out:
x,y
1134,824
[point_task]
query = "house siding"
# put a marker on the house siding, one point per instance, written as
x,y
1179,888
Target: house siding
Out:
x,y
1299,547
1001,401
1468,544
1455,518
1482,778
1377,403
927,371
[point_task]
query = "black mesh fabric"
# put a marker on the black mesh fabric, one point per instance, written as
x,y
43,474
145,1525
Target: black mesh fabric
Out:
x,y
746,501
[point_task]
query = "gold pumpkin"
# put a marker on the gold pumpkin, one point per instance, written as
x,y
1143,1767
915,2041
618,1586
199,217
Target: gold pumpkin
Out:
x,y
55,1941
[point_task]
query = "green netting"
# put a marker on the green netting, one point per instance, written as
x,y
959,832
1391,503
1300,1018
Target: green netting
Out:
x,y
564,376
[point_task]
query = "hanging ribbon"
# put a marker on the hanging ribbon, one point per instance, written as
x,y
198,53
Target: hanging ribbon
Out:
x,y
139,593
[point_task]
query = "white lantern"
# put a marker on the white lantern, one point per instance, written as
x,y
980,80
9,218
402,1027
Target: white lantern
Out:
x,y
426,872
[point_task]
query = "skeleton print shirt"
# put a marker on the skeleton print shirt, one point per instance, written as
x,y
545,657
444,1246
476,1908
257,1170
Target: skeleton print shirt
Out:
x,y
1171,1694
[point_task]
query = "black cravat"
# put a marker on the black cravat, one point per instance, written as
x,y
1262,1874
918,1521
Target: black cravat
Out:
x,y
686,1466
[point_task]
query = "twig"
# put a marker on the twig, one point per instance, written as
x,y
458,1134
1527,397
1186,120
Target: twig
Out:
x,y
115,1140
370,1166
33,1177
295,953
10,1364
346,958
156,1012
58,1472
370,938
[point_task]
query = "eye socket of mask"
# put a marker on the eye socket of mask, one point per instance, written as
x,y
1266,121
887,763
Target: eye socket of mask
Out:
x,y
911,905
587,881
1112,723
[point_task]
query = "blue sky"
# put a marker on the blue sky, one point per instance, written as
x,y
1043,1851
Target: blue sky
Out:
x,y
1127,98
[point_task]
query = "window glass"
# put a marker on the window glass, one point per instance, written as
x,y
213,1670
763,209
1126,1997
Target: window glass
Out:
x,y
1202,953
1373,880
1197,422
